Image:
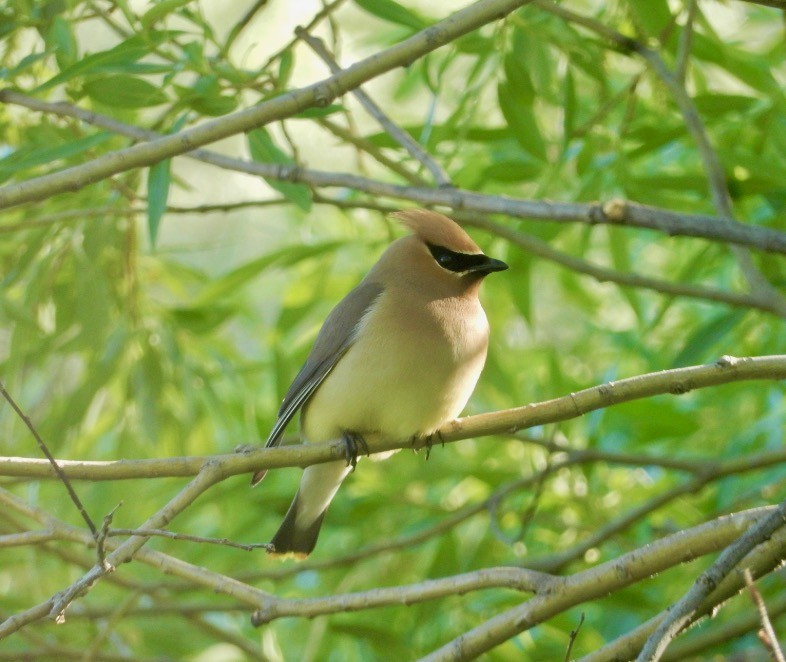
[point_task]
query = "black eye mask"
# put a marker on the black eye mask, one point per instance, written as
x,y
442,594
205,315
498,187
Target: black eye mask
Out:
x,y
464,262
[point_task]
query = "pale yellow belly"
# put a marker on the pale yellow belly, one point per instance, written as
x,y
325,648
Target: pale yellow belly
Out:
x,y
398,382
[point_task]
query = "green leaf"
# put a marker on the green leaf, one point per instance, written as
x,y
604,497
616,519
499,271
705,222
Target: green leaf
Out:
x,y
60,39
159,10
158,179
393,12
311,113
619,246
124,92
705,340
202,319
205,97
264,150
518,170
230,283
31,157
116,59
653,15
25,63
285,65
521,119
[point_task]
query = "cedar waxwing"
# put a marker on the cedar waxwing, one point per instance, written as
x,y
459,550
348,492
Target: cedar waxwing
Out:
x,y
398,357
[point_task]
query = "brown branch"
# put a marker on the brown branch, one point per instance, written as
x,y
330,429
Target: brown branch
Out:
x,y
761,560
716,178
280,107
693,646
519,579
614,212
51,459
676,381
607,577
681,613
394,131
767,632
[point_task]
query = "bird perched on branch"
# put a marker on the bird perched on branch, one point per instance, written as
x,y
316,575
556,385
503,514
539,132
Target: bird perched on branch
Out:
x,y
398,357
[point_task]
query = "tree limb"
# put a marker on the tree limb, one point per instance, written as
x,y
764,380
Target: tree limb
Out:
x,y
614,212
318,94
676,381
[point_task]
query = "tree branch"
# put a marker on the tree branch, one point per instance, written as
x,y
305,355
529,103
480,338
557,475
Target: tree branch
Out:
x,y
761,560
676,381
716,178
614,212
519,579
683,611
399,135
50,459
602,579
318,94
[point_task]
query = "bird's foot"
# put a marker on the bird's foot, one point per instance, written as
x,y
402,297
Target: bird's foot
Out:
x,y
428,441
354,444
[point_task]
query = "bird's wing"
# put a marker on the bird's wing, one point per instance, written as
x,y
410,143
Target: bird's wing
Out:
x,y
335,337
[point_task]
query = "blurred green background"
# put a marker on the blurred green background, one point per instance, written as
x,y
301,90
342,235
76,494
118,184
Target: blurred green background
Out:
x,y
136,322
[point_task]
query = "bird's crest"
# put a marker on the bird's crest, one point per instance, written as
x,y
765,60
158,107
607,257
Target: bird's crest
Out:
x,y
437,230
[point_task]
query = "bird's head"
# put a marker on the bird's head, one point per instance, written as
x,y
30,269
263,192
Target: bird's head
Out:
x,y
439,250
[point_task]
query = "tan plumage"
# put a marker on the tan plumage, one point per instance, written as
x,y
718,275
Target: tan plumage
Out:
x,y
399,356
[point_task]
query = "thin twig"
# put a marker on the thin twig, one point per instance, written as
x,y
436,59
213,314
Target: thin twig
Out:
x,y
573,634
325,12
518,579
225,542
101,538
613,212
767,633
241,25
372,150
318,94
393,130
685,43
682,612
716,178
51,458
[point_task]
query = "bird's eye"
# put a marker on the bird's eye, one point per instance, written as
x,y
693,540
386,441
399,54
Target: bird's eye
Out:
x,y
444,259
454,261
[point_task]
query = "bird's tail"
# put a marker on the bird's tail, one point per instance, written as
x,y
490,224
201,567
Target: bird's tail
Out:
x,y
293,538
298,533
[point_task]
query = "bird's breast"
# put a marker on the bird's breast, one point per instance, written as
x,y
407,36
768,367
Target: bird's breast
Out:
x,y
412,367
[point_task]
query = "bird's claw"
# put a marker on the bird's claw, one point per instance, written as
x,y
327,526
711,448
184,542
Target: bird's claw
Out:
x,y
428,441
354,444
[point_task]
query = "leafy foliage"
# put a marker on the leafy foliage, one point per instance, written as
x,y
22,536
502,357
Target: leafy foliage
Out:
x,y
164,313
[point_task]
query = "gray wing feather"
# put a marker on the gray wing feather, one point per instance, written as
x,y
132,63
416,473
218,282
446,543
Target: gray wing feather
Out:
x,y
334,339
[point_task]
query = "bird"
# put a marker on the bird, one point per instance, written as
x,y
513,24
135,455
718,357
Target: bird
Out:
x,y
398,357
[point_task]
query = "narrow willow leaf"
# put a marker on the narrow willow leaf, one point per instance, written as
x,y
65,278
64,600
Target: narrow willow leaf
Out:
x,y
393,12
158,179
264,150
115,59
124,92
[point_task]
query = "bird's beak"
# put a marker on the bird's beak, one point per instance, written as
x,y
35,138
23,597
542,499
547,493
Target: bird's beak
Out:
x,y
487,266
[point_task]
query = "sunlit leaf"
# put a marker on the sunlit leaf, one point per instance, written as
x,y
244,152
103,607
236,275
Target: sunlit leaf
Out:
x,y
158,180
124,91
264,150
